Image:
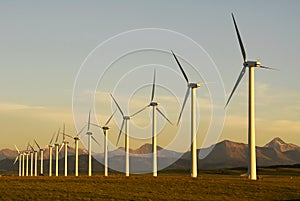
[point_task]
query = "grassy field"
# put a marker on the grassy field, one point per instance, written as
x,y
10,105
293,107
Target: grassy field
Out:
x,y
210,185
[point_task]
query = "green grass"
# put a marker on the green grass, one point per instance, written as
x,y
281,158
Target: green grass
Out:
x,y
210,185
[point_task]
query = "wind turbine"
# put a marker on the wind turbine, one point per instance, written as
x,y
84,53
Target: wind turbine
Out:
x,y
105,129
23,163
76,138
41,157
126,122
31,159
27,160
89,133
65,145
251,118
56,145
154,105
19,159
35,162
190,87
50,146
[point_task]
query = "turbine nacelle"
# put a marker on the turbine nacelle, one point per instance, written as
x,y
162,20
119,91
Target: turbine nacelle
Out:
x,y
154,103
194,85
89,133
252,64
126,117
105,128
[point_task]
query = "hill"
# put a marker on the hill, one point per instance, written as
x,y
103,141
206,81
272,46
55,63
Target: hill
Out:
x,y
225,154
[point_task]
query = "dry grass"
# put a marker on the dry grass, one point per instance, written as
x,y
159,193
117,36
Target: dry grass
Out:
x,y
167,186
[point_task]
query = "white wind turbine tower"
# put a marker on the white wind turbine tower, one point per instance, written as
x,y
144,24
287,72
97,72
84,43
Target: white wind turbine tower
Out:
x,y
76,155
154,105
50,146
190,87
31,159
27,160
19,159
126,122
35,162
89,133
251,118
76,138
23,163
41,157
56,145
105,129
65,145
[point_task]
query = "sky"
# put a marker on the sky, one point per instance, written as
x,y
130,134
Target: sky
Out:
x,y
45,44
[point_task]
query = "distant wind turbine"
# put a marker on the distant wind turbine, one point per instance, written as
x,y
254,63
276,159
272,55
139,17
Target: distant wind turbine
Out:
x,y
41,157
76,138
19,159
23,163
31,159
190,87
155,108
35,162
89,133
105,129
126,122
251,118
56,145
27,160
50,146
65,145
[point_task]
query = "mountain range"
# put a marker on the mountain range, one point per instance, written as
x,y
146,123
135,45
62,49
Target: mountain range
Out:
x,y
225,154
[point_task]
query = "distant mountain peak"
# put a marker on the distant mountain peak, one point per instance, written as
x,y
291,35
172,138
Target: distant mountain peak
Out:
x,y
278,140
279,145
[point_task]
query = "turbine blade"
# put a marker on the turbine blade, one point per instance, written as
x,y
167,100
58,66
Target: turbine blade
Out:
x,y
31,147
37,144
56,140
153,86
239,38
141,110
89,120
96,125
17,149
162,114
120,132
183,105
16,159
185,77
64,131
107,122
95,140
81,130
52,138
236,84
62,145
266,67
117,105
70,136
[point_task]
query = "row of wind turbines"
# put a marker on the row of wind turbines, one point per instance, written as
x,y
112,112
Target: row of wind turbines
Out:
x,y
191,91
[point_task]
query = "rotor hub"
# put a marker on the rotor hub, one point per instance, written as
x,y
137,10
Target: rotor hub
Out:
x,y
252,64
126,117
105,128
154,103
194,85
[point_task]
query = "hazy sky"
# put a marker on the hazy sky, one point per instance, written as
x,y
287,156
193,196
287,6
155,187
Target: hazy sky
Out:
x,y
44,43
